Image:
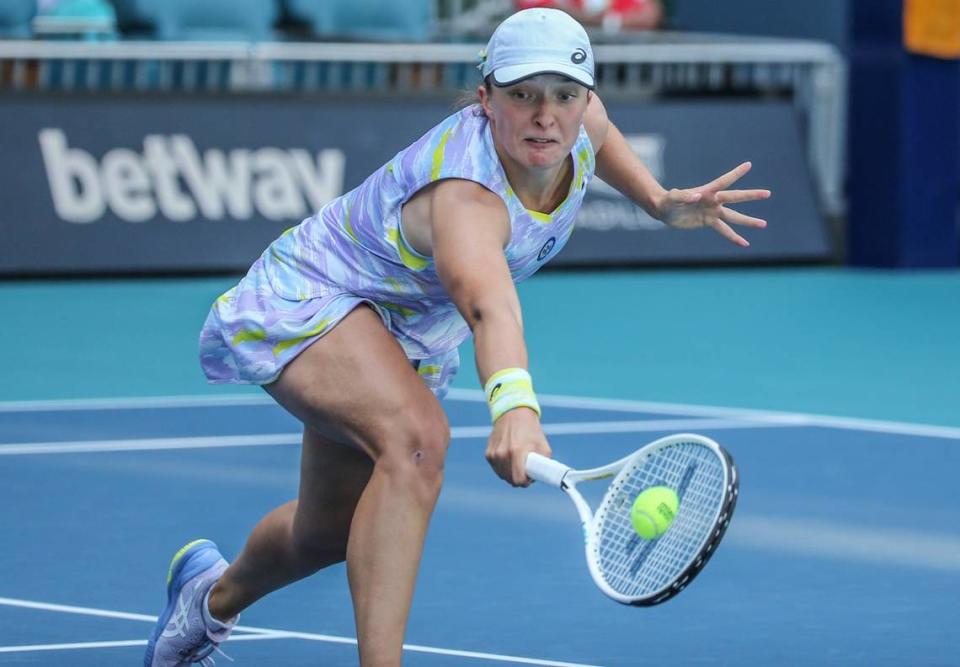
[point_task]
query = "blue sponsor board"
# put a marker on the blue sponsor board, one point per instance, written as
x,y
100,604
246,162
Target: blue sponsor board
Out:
x,y
156,184
689,143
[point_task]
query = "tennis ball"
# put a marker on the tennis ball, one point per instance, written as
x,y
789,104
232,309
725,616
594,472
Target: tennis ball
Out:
x,y
653,511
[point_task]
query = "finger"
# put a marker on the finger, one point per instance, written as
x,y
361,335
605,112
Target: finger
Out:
x,y
684,196
508,474
519,472
501,468
737,196
726,232
736,218
729,178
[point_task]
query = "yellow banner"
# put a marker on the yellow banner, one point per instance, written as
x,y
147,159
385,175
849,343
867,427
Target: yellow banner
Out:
x,y
932,27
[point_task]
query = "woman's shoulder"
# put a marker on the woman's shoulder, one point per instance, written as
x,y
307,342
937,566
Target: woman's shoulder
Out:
x,y
463,125
455,147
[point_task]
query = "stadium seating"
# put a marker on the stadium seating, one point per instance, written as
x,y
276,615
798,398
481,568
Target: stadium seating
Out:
x,y
216,20
375,20
15,17
137,18
71,19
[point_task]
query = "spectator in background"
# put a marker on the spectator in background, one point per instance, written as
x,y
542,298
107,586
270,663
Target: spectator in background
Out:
x,y
611,15
75,7
87,19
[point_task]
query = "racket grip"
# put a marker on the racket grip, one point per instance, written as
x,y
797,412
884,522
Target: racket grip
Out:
x,y
546,470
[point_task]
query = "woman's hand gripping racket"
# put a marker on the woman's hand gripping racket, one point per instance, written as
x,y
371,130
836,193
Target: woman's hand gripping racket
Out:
x,y
627,567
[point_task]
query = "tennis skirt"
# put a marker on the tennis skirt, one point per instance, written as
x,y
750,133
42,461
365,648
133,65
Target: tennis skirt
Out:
x,y
252,333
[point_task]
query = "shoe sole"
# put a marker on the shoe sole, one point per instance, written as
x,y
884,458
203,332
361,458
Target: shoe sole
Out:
x,y
184,566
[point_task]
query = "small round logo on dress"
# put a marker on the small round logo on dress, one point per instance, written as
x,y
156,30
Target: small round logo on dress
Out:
x,y
547,247
578,56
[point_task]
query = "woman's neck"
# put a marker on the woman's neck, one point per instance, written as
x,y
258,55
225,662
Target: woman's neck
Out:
x,y
541,190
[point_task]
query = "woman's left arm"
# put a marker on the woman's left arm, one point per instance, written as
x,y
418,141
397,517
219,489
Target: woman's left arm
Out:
x,y
703,206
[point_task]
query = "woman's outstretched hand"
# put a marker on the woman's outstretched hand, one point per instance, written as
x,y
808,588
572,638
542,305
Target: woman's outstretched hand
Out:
x,y
706,206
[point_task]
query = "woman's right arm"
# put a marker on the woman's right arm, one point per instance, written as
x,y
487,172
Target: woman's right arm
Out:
x,y
469,229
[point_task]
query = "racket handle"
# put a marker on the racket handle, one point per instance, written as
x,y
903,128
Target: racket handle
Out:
x,y
546,470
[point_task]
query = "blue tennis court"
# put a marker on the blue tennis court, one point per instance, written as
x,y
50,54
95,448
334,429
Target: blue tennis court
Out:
x,y
840,409
99,493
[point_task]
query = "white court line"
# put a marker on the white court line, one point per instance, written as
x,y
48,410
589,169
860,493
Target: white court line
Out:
x,y
30,648
71,609
911,548
274,439
258,633
770,417
135,403
144,444
77,646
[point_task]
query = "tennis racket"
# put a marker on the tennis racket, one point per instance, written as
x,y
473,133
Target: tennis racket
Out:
x,y
625,566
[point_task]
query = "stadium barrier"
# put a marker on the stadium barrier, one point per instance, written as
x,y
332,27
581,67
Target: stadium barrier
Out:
x,y
690,104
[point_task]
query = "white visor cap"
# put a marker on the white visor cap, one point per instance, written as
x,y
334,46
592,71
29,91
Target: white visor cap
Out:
x,y
539,41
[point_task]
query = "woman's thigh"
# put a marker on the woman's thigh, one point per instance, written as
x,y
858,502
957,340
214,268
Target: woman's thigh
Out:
x,y
355,386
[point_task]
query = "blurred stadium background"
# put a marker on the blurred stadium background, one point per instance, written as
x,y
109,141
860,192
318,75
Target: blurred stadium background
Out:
x,y
172,138
150,150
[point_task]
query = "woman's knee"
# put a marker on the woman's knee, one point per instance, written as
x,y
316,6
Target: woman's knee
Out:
x,y
416,448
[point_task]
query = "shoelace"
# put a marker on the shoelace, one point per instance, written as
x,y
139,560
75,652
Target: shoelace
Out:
x,y
204,663
202,655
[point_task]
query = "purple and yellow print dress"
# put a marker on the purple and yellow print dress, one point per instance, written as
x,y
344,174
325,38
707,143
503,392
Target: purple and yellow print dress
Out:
x,y
353,252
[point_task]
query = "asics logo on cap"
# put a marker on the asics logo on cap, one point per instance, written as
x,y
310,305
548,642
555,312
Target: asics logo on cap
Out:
x,y
539,41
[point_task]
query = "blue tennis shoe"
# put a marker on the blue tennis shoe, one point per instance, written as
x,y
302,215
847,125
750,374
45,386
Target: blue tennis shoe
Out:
x,y
185,633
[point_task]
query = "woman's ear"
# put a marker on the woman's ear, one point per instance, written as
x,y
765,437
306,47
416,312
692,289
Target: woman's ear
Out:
x,y
484,96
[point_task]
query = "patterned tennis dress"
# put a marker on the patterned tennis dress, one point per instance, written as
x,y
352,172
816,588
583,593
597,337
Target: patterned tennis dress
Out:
x,y
353,251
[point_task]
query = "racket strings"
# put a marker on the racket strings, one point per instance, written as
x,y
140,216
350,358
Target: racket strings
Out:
x,y
639,568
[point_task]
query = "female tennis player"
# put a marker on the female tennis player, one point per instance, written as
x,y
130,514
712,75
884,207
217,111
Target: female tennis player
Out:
x,y
352,319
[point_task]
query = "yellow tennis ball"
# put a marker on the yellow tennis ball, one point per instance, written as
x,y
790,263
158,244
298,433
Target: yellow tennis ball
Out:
x,y
653,511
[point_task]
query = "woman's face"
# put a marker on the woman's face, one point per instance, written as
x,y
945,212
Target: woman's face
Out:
x,y
536,121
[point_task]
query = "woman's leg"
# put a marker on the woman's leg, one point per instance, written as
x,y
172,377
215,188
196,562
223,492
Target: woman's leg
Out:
x,y
354,388
287,544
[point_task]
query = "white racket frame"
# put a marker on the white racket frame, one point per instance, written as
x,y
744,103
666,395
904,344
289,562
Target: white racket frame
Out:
x,y
559,475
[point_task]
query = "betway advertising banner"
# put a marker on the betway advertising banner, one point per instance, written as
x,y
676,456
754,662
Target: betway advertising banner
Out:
x,y
154,184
